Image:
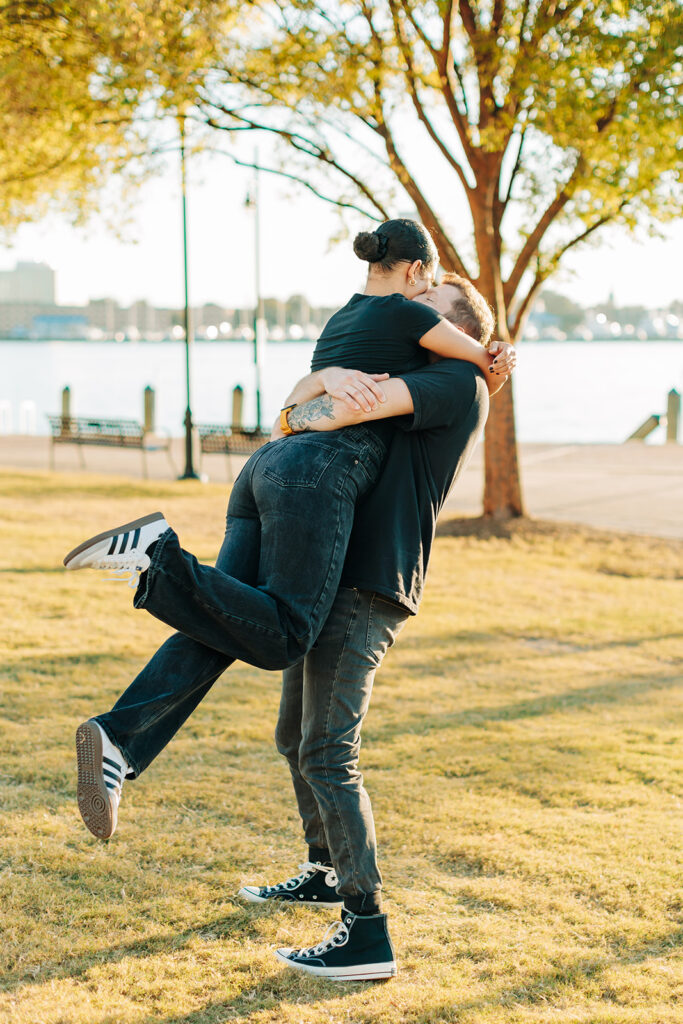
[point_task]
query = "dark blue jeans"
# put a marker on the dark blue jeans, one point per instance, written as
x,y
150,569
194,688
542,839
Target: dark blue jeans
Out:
x,y
289,519
325,698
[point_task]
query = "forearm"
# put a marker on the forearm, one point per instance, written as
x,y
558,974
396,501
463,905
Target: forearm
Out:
x,y
304,390
449,342
327,413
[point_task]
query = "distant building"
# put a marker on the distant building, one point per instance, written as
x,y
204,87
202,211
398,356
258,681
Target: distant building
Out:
x,y
275,312
60,326
298,310
102,314
28,282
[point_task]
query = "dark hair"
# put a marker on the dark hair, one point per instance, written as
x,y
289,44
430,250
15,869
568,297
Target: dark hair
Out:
x,y
396,241
471,312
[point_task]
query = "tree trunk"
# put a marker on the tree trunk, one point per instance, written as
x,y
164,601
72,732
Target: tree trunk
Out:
x,y
502,491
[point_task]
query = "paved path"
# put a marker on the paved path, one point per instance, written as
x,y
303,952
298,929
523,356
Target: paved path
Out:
x,y
632,487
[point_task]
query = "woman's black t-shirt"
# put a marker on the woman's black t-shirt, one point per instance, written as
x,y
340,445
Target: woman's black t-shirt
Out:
x,y
375,334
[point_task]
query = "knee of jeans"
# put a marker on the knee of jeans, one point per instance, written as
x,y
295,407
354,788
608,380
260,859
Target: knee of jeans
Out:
x,y
287,742
337,763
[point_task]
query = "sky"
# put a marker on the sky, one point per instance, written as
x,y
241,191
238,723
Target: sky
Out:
x,y
297,257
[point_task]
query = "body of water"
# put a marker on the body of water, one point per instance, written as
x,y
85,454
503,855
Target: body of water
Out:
x,y
565,392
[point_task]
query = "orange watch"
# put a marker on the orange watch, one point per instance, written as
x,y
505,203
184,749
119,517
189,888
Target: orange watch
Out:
x,y
284,422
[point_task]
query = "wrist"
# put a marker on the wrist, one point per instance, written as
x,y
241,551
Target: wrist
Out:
x,y
284,424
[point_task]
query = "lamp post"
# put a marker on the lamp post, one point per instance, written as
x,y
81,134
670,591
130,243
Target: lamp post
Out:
x,y
252,202
189,473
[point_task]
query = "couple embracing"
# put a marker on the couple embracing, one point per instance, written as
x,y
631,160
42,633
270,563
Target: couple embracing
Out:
x,y
328,536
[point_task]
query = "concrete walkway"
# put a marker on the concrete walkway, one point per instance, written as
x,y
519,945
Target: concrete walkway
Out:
x,y
633,487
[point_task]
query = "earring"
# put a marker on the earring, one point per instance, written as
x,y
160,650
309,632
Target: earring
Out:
x,y
412,282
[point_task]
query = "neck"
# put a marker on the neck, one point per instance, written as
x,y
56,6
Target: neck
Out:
x,y
385,284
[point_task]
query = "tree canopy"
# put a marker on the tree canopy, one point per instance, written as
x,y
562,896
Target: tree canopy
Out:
x,y
553,119
87,89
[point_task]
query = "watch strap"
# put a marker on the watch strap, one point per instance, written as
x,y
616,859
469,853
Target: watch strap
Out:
x,y
284,422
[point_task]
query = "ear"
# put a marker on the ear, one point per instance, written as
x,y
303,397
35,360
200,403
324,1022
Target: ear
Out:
x,y
415,269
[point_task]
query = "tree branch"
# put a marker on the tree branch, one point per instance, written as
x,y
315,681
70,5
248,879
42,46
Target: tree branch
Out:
x,y
525,306
425,211
456,70
534,238
302,181
468,17
552,262
417,104
441,58
515,168
605,219
497,16
303,145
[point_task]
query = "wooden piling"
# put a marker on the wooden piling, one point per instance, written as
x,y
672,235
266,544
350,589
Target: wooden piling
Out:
x,y
646,428
237,405
149,398
673,415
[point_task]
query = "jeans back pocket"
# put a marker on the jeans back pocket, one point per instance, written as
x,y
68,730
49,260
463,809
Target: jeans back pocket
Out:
x,y
293,464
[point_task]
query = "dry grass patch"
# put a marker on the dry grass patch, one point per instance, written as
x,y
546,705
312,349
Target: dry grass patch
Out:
x,y
523,753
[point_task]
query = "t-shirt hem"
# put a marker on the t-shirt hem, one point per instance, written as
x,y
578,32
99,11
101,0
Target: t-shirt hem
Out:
x,y
408,603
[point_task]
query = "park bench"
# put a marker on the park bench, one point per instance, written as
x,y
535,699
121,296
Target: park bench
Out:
x,y
221,438
106,433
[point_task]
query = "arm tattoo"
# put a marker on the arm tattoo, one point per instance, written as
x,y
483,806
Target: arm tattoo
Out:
x,y
303,416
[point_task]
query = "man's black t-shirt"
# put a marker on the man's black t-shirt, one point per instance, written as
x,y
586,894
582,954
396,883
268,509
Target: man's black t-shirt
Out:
x,y
376,334
394,524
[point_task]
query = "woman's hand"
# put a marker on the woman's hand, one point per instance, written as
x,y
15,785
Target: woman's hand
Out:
x,y
357,389
276,433
504,358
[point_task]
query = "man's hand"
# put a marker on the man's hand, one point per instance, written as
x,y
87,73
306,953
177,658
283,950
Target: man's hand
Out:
x,y
358,390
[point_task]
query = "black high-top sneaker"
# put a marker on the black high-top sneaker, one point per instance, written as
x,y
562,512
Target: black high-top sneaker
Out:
x,y
315,886
353,949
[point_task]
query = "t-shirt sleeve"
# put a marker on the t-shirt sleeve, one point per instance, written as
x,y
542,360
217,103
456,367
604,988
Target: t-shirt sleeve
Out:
x,y
417,318
442,393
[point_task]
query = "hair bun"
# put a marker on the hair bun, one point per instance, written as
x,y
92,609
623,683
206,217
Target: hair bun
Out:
x,y
370,246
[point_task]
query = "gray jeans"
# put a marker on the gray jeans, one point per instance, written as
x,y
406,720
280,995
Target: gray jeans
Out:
x,y
325,698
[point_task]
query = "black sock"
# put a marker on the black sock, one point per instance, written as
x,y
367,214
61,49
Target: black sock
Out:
x,y
319,855
367,905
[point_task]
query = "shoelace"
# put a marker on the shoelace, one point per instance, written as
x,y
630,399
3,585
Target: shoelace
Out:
x,y
124,570
336,935
307,871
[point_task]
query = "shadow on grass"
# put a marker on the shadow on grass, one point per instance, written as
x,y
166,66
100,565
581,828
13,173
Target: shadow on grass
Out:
x,y
271,989
78,966
560,981
29,570
546,646
537,989
617,692
57,664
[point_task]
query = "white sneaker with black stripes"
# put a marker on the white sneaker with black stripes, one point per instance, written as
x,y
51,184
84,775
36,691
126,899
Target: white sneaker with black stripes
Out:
x,y
101,771
122,551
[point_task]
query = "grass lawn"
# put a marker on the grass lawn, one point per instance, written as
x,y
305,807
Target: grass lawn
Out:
x,y
523,753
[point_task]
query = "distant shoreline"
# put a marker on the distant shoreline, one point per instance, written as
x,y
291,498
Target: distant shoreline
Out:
x,y
307,341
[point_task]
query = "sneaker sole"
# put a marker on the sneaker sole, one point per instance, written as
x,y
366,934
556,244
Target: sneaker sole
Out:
x,y
253,897
366,972
93,795
126,528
